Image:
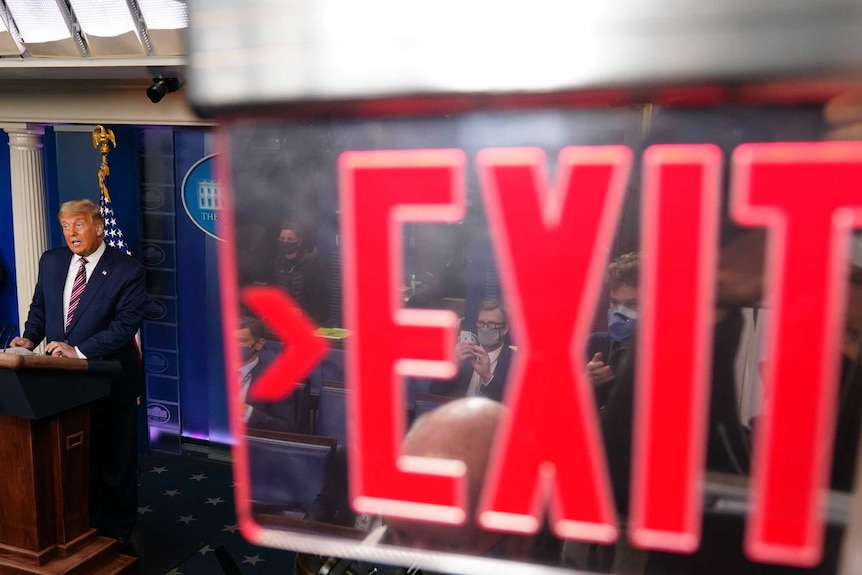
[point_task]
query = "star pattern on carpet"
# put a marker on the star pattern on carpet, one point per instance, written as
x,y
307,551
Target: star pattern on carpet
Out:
x,y
185,533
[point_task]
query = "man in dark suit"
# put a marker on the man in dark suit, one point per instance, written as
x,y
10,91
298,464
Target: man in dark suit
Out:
x,y
255,357
89,303
485,362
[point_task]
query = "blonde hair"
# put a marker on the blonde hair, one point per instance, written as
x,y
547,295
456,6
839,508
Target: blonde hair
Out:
x,y
82,207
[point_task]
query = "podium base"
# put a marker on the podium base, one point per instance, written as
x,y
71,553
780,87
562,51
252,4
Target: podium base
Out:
x,y
100,557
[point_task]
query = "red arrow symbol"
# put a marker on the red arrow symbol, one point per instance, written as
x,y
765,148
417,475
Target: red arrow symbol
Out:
x,y
302,349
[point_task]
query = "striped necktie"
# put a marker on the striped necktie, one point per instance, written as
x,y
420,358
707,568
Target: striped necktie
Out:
x,y
77,290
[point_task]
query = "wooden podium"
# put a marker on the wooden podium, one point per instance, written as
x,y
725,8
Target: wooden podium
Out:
x,y
44,450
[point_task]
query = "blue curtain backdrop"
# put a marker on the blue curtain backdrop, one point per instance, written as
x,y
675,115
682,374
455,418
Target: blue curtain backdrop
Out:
x,y
8,293
203,395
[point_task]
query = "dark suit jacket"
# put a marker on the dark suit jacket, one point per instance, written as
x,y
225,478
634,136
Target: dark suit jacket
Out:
x,y
271,416
109,312
494,390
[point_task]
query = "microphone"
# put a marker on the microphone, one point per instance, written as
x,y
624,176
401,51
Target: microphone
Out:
x,y
10,337
12,330
3,333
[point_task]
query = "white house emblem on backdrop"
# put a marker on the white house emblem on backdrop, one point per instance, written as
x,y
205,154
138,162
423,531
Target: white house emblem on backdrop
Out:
x,y
202,196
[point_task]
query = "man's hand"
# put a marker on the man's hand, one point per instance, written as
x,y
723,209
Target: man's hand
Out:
x,y
478,358
60,349
464,351
598,372
481,362
22,342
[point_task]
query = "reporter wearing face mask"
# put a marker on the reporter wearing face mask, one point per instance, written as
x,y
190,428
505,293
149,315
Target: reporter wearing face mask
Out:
x,y
301,275
607,350
484,365
254,358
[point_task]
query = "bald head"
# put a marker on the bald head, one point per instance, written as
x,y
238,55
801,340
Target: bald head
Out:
x,y
463,429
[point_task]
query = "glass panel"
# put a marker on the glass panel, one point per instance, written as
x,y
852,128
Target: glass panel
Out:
x,y
572,257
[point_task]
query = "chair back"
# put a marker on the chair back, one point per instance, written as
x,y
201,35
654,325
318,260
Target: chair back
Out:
x,y
332,367
331,413
288,470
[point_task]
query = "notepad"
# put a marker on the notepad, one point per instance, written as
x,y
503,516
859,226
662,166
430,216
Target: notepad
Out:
x,y
331,332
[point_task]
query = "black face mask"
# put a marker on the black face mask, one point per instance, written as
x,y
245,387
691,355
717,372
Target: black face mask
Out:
x,y
246,352
288,248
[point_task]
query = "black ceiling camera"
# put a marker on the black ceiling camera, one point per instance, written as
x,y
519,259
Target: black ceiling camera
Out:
x,y
161,87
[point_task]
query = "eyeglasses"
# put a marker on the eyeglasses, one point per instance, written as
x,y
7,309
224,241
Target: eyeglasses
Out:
x,y
489,324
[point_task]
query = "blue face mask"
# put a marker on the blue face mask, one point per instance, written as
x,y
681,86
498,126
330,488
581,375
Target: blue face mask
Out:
x,y
622,323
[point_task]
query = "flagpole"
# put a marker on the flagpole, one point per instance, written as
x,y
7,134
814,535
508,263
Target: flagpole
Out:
x,y
101,138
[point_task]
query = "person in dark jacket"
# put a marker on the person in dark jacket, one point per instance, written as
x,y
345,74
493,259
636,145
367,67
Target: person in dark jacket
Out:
x,y
300,274
269,416
606,351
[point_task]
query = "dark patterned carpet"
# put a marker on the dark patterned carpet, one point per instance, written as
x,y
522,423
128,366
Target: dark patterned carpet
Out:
x,y
187,523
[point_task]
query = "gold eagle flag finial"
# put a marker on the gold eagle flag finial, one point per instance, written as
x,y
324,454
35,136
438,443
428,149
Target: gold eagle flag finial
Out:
x,y
101,137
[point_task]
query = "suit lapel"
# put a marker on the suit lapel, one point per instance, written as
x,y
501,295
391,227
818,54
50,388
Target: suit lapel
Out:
x,y
98,278
58,286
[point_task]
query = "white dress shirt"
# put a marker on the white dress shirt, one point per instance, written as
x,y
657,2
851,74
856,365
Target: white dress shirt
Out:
x,y
476,382
245,379
89,267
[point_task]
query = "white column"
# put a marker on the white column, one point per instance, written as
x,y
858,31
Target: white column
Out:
x,y
30,228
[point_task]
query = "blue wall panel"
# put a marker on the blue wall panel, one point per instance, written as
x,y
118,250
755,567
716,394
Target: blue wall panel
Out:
x,y
52,194
8,293
202,394
158,254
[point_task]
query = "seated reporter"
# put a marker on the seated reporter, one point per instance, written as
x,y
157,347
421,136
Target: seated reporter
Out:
x,y
268,416
484,363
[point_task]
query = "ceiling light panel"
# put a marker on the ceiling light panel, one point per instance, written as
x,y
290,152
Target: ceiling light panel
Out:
x,y
8,47
166,21
109,28
44,28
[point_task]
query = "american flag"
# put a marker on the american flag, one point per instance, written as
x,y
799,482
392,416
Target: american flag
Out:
x,y
114,238
113,233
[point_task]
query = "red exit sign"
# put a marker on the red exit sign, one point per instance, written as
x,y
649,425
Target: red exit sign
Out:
x,y
549,455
